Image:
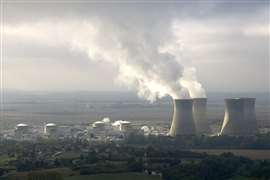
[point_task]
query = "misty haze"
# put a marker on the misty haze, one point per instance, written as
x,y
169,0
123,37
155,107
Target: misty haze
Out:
x,y
138,90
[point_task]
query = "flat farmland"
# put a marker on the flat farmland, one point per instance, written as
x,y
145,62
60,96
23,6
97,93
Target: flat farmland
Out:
x,y
120,176
249,153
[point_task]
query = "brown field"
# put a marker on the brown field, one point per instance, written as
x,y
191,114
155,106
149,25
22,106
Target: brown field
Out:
x,y
249,153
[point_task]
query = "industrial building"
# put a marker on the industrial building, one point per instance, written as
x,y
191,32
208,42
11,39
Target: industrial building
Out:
x,y
121,125
22,131
22,128
50,129
145,130
99,125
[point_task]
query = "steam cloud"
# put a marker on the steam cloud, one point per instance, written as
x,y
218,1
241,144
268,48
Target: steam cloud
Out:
x,y
152,61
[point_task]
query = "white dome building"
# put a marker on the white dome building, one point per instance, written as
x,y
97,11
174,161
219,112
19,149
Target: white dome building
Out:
x,y
50,129
99,125
146,130
22,127
122,125
21,130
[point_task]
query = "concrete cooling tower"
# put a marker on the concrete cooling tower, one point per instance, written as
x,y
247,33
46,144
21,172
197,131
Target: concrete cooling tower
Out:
x,y
182,123
240,117
200,116
250,115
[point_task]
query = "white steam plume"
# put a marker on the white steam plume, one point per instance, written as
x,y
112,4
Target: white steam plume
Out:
x,y
149,60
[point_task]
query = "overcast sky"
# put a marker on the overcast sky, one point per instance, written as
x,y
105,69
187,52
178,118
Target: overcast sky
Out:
x,y
228,43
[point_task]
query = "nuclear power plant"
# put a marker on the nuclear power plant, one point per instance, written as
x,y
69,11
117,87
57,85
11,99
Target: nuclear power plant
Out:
x,y
182,123
240,117
189,118
200,116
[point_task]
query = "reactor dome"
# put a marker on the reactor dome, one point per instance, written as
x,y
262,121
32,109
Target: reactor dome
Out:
x,y
22,125
50,125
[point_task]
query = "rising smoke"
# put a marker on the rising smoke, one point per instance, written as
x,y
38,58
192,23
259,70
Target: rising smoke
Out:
x,y
150,60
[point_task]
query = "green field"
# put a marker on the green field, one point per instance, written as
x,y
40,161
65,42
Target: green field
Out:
x,y
4,159
120,176
69,155
249,153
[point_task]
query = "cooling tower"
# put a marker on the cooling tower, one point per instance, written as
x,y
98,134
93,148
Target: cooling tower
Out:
x,y
200,116
250,115
240,118
182,123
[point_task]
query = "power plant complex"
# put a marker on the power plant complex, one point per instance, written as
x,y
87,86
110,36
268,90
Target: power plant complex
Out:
x,y
190,117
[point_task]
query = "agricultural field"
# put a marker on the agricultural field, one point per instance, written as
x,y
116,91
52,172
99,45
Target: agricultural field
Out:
x,y
4,159
249,153
69,155
120,176
74,175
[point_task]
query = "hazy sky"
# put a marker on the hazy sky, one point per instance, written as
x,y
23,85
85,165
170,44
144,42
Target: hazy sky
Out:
x,y
228,43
